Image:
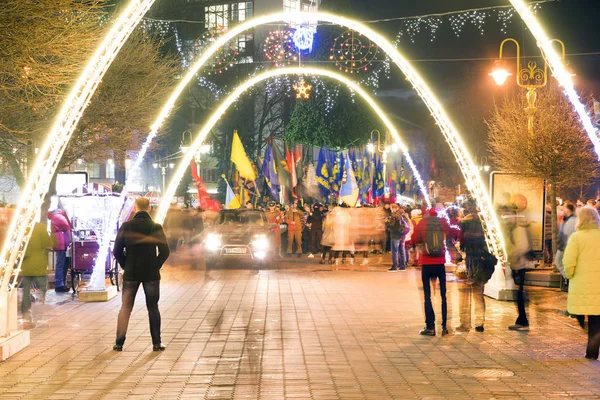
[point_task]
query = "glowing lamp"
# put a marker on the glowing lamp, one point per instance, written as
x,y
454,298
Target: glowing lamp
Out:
x,y
154,165
500,73
371,148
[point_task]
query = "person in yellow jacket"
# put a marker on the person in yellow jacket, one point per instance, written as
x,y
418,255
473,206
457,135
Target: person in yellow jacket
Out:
x,y
35,266
293,217
581,261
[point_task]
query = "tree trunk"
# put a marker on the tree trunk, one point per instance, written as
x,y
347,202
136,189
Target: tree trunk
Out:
x,y
554,219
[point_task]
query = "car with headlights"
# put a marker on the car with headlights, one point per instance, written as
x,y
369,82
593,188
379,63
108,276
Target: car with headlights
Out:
x,y
243,234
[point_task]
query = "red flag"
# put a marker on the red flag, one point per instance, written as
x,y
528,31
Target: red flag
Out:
x,y
291,163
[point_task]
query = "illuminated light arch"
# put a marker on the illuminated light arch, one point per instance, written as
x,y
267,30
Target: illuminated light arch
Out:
x,y
48,158
51,152
224,106
558,68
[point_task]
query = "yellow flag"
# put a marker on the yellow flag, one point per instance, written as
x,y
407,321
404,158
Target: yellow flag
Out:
x,y
241,160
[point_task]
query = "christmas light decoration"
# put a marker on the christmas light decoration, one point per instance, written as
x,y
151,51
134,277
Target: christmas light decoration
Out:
x,y
50,153
302,90
249,83
223,59
353,53
304,37
411,27
279,48
556,64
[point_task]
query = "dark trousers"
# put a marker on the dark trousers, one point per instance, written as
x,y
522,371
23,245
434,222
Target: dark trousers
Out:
x,y
593,345
152,292
315,240
306,241
427,273
522,318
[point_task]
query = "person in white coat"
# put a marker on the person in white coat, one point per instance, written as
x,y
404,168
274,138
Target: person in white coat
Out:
x,y
582,267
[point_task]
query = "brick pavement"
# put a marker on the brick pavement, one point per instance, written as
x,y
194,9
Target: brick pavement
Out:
x,y
300,331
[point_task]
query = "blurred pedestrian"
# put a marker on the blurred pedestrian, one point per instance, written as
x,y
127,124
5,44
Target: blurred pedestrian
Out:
x,y
432,232
520,256
315,219
306,228
548,254
35,266
472,242
582,267
293,217
141,249
398,226
566,230
61,236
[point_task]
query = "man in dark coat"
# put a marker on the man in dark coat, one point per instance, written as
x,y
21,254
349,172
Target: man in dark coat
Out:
x,y
315,220
141,249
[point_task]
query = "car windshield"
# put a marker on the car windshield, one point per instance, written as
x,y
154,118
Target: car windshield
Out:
x,y
242,218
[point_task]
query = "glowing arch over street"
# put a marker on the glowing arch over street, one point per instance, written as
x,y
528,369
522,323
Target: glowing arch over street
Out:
x,y
557,66
183,165
51,153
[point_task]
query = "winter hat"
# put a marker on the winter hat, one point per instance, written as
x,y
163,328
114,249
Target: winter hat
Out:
x,y
415,213
433,212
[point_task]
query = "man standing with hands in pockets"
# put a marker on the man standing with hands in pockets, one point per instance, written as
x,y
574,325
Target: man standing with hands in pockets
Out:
x,y
141,249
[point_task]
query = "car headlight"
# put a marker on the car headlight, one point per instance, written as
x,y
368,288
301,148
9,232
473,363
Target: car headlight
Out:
x,y
213,241
260,242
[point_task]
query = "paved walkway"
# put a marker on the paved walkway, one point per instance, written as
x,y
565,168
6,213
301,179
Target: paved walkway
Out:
x,y
300,331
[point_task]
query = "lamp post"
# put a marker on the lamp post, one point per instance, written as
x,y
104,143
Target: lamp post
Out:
x,y
483,164
531,78
163,164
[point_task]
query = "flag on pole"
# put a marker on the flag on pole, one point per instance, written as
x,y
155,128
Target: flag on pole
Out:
x,y
240,159
283,172
290,157
364,183
378,182
322,173
349,191
231,200
269,172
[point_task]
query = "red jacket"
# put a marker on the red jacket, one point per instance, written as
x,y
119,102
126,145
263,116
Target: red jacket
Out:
x,y
420,236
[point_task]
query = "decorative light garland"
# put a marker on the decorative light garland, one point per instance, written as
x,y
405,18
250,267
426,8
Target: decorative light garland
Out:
x,y
412,27
279,48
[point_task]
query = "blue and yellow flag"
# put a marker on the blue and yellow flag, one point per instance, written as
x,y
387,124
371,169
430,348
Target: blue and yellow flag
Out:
x,y
269,171
364,183
349,191
379,181
323,173
335,178
231,200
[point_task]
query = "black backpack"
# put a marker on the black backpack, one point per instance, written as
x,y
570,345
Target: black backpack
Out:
x,y
434,238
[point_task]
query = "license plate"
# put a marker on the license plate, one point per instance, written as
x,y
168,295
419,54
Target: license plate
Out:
x,y
235,250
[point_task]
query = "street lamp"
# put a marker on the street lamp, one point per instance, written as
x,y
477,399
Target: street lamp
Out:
x,y
531,78
163,165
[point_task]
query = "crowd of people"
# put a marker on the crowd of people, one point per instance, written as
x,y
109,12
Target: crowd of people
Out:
x,y
413,235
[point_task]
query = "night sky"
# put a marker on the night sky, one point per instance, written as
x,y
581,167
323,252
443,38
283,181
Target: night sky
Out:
x,y
464,85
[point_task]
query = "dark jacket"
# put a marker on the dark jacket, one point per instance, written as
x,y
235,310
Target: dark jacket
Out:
x,y
398,225
472,237
316,220
136,248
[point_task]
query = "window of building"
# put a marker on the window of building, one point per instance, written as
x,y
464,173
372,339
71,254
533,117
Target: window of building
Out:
x,y
291,5
241,12
209,175
242,43
94,170
216,16
110,170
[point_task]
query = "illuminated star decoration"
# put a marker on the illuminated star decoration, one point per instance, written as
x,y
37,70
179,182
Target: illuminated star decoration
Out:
x,y
279,48
353,53
304,38
302,90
